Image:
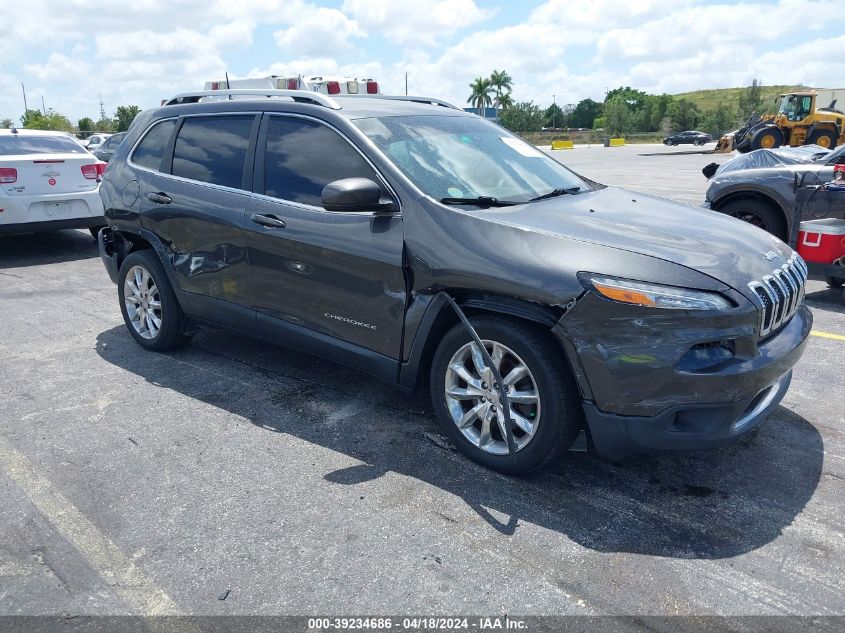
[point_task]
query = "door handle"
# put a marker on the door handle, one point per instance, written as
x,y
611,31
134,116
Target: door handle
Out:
x,y
159,198
270,221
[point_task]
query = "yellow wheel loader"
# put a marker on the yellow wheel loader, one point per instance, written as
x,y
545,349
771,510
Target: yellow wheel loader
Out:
x,y
809,117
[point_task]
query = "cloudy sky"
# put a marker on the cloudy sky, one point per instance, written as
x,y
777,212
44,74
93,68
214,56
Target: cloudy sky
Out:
x,y
140,51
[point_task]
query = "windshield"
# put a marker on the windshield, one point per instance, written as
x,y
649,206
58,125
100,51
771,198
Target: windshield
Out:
x,y
16,144
467,157
830,159
795,107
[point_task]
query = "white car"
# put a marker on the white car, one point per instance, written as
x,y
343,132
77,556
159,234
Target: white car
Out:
x,y
48,181
95,140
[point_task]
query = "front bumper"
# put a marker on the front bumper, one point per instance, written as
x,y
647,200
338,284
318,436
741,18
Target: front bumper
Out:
x,y
684,427
641,393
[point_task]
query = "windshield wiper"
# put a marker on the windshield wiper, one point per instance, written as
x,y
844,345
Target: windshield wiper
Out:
x,y
480,201
554,193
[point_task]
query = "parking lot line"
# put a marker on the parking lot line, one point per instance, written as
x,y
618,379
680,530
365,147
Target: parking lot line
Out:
x,y
835,337
135,589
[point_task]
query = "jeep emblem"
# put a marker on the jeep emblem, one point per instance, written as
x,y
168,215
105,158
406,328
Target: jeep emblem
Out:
x,y
771,255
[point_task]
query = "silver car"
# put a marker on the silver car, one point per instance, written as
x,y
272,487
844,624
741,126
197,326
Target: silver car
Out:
x,y
761,191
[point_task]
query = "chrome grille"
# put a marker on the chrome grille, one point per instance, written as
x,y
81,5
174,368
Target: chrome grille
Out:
x,y
779,294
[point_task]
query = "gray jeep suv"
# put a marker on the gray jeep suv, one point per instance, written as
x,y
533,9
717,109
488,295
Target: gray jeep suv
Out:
x,y
363,229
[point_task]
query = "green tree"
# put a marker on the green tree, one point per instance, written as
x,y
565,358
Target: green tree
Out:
x,y
751,100
555,118
479,96
523,117
502,84
635,99
719,120
617,115
506,101
124,116
6,124
684,114
86,126
585,113
35,120
105,124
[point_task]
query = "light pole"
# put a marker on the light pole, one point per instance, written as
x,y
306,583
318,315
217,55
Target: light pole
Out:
x,y
406,84
554,113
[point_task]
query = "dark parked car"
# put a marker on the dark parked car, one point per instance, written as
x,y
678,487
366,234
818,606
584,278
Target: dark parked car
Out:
x,y
687,138
105,151
761,189
346,227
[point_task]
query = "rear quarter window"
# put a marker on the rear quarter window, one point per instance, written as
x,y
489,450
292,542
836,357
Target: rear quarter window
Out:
x,y
150,151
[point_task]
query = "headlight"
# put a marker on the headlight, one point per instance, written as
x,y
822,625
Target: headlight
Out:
x,y
656,296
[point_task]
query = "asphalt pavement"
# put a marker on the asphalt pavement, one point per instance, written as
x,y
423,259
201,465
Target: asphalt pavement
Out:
x,y
234,477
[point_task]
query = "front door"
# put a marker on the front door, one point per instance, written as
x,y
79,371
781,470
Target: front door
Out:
x,y
336,274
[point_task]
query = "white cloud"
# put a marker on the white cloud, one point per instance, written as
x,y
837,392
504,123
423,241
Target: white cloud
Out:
x,y
320,32
422,22
71,52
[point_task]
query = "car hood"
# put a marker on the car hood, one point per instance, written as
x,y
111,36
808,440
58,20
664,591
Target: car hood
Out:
x,y
724,248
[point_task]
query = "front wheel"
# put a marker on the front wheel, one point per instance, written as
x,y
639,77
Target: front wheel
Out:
x,y
148,303
544,403
759,213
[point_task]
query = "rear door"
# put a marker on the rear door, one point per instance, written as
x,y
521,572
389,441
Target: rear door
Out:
x,y
196,205
335,273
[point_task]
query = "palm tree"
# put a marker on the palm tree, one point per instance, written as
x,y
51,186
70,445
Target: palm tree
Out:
x,y
502,84
480,96
505,101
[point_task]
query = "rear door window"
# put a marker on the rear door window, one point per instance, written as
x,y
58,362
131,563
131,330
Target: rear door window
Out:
x,y
303,156
213,149
150,152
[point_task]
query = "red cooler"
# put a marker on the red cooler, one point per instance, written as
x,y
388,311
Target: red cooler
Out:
x,y
822,241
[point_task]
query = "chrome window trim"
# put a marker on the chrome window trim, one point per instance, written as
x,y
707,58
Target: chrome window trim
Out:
x,y
135,165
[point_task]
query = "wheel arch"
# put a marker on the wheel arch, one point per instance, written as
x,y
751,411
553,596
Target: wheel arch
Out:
x,y
130,241
439,318
750,194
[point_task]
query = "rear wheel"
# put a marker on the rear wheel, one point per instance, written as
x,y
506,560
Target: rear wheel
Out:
x,y
822,138
767,138
148,303
544,403
759,213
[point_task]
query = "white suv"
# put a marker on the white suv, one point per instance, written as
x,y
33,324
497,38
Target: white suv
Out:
x,y
48,181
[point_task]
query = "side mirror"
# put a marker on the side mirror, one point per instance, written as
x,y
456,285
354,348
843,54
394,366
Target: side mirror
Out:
x,y
354,194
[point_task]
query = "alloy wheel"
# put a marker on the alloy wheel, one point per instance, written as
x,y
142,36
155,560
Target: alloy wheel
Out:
x,y
142,301
473,402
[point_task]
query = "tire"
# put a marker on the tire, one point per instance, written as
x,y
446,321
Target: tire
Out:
x,y
170,318
834,282
760,213
824,138
551,409
768,137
